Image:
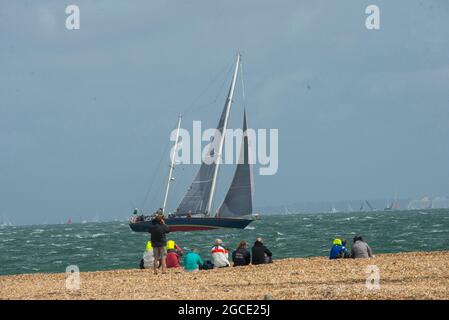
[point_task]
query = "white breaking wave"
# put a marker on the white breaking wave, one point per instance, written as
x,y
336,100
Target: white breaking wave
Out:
x,y
96,235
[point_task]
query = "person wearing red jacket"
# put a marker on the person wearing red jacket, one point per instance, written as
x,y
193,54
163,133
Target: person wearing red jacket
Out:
x,y
173,254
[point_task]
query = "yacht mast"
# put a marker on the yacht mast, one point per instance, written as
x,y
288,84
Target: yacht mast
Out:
x,y
223,132
172,165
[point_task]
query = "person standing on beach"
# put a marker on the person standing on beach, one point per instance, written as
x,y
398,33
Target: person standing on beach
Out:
x,y
241,256
220,255
158,231
260,253
360,249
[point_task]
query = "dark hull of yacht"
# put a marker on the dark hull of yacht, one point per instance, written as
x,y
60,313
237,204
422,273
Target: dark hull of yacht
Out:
x,y
194,224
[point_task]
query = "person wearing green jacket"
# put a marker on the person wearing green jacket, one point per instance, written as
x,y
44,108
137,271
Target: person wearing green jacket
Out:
x,y
192,261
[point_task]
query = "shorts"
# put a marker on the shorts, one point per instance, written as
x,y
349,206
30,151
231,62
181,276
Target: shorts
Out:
x,y
159,252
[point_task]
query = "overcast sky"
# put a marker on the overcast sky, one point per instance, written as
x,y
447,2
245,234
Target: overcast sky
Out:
x,y
85,114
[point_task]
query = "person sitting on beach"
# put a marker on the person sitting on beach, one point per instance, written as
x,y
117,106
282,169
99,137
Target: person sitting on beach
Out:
x,y
338,251
260,253
173,254
220,255
192,261
360,249
148,257
241,256
158,230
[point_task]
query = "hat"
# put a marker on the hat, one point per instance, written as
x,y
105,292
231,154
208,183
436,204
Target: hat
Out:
x,y
337,242
170,245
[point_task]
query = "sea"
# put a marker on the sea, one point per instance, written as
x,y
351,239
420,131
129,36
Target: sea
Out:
x,y
112,245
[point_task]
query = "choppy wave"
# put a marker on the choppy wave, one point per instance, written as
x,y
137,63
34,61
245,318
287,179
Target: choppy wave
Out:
x,y
111,245
96,235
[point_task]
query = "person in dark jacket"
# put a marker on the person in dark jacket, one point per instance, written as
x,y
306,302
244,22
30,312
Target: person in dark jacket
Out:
x,y
241,256
260,253
158,231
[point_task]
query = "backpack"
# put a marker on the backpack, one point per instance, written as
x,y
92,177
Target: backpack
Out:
x,y
207,265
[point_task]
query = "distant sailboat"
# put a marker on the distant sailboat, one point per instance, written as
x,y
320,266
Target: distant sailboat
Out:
x,y
394,205
69,221
369,205
195,210
333,209
5,223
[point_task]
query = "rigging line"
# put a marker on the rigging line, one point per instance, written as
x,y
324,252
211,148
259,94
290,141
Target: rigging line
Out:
x,y
199,107
192,107
243,84
154,176
155,193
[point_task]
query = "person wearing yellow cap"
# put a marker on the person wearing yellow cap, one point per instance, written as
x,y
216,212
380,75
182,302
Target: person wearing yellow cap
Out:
x,y
148,257
173,254
338,251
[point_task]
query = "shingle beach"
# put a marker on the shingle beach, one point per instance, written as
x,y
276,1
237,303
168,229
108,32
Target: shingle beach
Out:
x,y
420,275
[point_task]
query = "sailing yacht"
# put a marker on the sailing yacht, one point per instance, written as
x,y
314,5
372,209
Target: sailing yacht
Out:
x,y
370,206
333,209
5,223
394,205
195,209
362,206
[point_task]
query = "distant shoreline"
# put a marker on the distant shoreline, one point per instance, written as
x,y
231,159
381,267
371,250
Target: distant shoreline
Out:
x,y
274,211
411,275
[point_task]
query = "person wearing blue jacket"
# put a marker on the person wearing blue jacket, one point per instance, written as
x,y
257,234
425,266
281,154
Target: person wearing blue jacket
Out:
x,y
192,261
338,250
